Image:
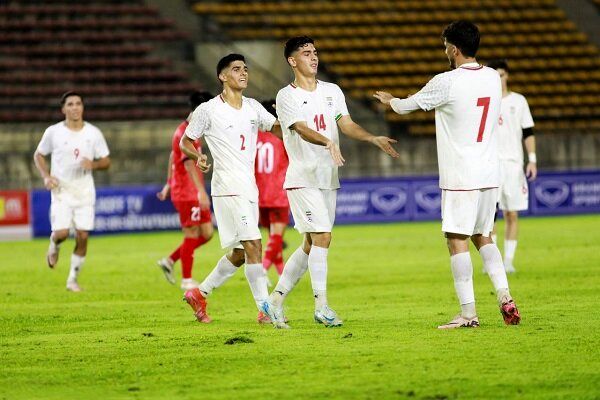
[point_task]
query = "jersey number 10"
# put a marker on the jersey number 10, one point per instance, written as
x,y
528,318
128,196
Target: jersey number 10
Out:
x,y
265,157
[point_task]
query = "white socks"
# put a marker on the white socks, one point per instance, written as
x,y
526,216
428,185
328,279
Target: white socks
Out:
x,y
317,265
218,276
76,264
257,278
462,271
510,247
492,262
294,269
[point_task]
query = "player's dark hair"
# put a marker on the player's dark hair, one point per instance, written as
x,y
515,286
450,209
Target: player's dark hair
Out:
x,y
227,60
295,43
464,35
499,64
63,98
198,98
268,105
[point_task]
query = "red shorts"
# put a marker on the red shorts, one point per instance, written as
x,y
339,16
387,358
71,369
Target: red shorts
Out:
x,y
271,215
190,213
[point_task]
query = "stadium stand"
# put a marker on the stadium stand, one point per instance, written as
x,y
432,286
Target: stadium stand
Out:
x,y
107,50
395,46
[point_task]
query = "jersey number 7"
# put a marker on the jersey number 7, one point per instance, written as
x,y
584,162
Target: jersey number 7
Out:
x,y
485,103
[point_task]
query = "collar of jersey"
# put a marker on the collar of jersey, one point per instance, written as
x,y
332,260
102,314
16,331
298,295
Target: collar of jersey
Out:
x,y
471,66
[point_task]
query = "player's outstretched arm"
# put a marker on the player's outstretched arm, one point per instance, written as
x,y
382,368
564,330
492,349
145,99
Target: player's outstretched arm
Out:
x,y
400,106
186,144
39,160
315,137
355,131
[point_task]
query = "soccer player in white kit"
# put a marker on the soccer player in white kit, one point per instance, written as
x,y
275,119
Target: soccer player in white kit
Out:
x,y
76,148
229,124
467,106
515,127
311,111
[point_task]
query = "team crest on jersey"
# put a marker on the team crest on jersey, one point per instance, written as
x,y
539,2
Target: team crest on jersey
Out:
x,y
329,101
308,215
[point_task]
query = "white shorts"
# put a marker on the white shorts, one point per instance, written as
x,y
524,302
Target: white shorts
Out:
x,y
65,216
313,209
514,193
237,220
469,212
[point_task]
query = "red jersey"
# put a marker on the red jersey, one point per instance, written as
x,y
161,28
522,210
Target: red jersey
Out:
x,y
270,167
182,187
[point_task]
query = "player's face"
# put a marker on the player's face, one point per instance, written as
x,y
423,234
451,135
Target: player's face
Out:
x,y
73,108
306,60
451,52
503,76
236,75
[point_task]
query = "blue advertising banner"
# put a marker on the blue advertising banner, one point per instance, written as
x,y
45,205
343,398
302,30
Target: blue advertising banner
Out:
x,y
136,209
122,209
559,193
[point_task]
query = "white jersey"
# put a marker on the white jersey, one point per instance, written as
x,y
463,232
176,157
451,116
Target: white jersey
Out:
x,y
467,107
231,136
514,117
67,149
311,165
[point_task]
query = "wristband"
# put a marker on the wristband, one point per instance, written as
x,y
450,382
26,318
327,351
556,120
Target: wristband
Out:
x,y
532,158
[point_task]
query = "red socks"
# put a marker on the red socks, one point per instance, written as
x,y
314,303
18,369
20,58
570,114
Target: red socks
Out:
x,y
186,253
273,254
176,255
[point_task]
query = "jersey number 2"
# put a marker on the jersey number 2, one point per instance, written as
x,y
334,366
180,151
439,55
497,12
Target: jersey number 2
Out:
x,y
243,142
485,103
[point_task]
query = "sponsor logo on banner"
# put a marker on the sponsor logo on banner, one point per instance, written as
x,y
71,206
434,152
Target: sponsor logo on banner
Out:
x,y
389,199
14,207
552,193
429,198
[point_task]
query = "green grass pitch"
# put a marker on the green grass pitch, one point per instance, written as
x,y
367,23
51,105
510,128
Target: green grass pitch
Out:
x,y
129,335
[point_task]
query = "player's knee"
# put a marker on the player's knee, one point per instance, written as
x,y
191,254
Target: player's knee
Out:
x,y
61,235
82,236
253,249
237,257
511,216
207,232
322,239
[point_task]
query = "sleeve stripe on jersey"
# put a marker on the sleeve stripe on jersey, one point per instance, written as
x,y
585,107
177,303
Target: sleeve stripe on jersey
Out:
x,y
337,117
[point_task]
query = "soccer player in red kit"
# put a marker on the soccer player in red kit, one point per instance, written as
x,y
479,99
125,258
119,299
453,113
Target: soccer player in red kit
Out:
x,y
185,183
274,209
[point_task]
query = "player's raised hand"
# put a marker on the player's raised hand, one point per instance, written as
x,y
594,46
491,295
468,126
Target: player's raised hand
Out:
x,y
336,153
531,171
164,193
383,97
50,182
384,143
204,200
87,164
202,163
